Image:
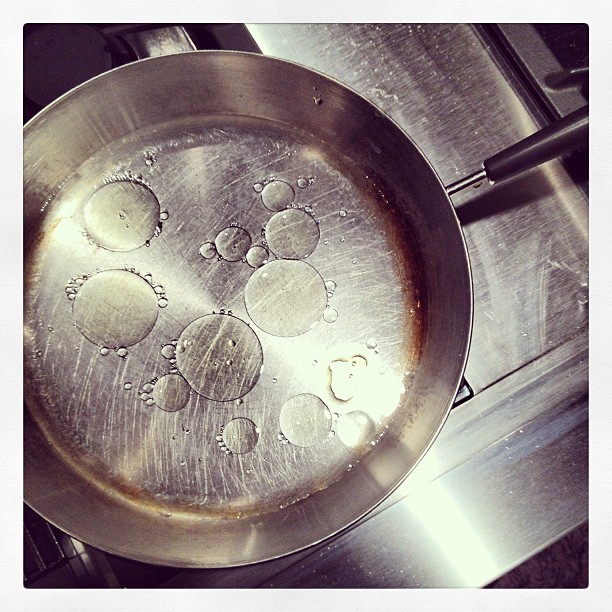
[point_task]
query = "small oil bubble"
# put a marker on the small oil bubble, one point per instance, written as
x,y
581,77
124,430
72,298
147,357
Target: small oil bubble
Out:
x,y
208,250
163,215
104,351
162,302
302,182
232,243
258,187
122,351
127,386
148,387
342,213
371,343
330,315
167,351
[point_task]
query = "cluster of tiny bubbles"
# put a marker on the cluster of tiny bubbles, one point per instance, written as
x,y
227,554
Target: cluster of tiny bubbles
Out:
x,y
330,286
74,284
150,158
160,292
304,181
146,391
221,444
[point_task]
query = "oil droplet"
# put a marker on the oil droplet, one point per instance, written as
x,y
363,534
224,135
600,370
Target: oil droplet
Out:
x,y
167,351
148,387
171,392
163,215
342,213
150,401
208,250
121,216
258,187
115,308
347,376
285,297
355,428
330,315
104,351
277,195
122,351
330,286
302,182
127,386
162,302
371,343
203,350
257,256
292,234
305,420
232,243
240,435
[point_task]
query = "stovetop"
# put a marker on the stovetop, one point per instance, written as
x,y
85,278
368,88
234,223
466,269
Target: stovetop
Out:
x,y
508,474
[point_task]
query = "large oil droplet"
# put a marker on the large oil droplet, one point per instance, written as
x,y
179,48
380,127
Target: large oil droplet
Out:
x,y
232,243
292,234
355,429
305,420
346,376
285,297
171,392
257,256
277,195
115,308
121,216
240,435
204,348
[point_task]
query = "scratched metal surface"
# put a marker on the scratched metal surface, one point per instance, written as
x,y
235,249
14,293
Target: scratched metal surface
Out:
x,y
508,474
527,239
155,466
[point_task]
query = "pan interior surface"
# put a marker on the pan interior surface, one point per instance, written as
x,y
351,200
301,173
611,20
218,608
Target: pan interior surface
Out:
x,y
225,321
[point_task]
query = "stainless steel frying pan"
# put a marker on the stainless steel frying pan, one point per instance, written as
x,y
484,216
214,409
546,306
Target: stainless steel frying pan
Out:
x,y
247,307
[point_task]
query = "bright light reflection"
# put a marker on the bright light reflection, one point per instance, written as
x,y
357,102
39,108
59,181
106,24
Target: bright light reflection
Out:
x,y
446,523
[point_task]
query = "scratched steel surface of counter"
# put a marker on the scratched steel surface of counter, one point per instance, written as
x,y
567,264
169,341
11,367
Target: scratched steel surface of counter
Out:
x,y
508,473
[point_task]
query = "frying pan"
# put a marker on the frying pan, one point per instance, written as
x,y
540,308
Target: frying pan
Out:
x,y
247,306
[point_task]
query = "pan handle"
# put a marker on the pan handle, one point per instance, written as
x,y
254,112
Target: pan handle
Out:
x,y
571,132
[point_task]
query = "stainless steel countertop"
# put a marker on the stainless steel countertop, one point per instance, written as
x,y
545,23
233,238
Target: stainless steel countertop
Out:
x,y
508,474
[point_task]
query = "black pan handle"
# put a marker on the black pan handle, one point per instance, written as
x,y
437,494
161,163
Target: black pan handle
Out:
x,y
567,134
